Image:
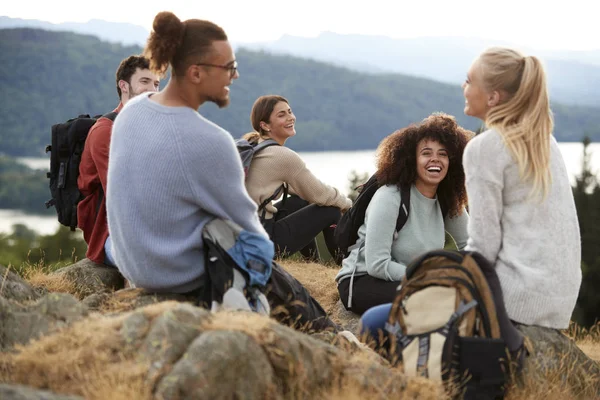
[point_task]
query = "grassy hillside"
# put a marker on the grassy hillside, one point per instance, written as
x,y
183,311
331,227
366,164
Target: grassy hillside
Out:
x,y
47,77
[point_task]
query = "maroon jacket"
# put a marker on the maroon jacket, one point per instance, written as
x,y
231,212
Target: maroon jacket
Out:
x,y
93,171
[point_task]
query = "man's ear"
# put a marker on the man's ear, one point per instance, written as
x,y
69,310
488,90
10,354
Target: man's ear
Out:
x,y
124,86
493,99
195,73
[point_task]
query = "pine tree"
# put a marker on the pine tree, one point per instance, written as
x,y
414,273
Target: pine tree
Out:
x,y
587,200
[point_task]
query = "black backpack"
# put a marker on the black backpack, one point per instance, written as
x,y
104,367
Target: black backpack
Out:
x,y
68,141
346,231
247,152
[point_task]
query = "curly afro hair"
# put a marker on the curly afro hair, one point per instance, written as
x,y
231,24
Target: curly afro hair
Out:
x,y
397,157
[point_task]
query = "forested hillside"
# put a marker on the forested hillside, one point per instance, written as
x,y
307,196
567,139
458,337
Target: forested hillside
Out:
x,y
47,77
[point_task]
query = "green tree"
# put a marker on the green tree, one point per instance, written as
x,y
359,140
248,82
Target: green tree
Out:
x,y
24,248
354,181
586,193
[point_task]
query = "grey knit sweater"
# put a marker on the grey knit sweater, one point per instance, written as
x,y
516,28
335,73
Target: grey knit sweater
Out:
x,y
535,246
170,170
382,254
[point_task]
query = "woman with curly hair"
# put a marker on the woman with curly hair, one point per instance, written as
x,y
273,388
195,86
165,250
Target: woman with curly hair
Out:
x,y
425,160
313,207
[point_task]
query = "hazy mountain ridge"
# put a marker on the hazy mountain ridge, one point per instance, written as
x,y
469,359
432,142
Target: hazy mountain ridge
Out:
x,y
47,77
573,76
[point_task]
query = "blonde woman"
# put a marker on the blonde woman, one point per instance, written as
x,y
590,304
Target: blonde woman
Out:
x,y
522,212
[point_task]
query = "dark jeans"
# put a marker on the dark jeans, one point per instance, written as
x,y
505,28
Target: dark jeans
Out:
x,y
296,225
367,292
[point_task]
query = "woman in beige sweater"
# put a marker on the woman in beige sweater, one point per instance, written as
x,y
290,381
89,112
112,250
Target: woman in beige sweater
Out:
x,y
312,207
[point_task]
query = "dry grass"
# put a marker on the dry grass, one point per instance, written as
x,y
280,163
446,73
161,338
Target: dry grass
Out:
x,y
320,282
53,283
587,339
40,276
89,359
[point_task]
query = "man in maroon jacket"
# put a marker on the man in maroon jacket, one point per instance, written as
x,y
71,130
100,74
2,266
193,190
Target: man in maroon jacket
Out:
x,y
133,78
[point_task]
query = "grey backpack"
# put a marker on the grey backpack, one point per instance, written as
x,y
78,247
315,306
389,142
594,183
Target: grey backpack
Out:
x,y
247,152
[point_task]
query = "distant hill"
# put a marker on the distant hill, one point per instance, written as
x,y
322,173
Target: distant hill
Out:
x,y
573,77
47,77
116,32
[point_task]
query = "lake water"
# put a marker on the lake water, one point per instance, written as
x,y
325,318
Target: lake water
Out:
x,y
333,168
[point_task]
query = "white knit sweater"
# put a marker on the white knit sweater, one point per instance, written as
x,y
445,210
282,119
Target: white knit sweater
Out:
x,y
535,246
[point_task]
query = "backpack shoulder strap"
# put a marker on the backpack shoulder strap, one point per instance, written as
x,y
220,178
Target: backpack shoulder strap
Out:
x,y
404,207
264,144
111,115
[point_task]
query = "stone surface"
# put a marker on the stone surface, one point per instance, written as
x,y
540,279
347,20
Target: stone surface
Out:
x,y
20,392
347,319
555,356
22,323
13,287
90,278
170,335
220,365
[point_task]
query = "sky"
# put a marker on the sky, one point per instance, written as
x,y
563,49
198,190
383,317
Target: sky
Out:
x,y
539,24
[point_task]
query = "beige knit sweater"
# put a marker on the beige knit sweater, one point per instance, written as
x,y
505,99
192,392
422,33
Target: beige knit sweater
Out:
x,y
276,165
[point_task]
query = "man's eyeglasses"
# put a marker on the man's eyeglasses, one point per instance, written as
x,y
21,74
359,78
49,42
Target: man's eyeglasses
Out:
x,y
231,67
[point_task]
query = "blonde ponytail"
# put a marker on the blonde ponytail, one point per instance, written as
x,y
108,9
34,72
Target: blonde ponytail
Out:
x,y
523,117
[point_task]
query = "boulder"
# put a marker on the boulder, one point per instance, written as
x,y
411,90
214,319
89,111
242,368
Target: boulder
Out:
x,y
220,364
20,392
21,323
555,360
178,351
88,277
347,319
15,288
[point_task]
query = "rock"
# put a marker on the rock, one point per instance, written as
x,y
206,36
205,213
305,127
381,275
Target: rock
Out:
x,y
297,358
170,335
13,287
134,328
347,319
96,301
220,365
20,392
21,323
179,351
556,359
89,277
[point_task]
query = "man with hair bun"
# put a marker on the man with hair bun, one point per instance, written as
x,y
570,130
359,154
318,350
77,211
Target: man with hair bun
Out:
x,y
171,170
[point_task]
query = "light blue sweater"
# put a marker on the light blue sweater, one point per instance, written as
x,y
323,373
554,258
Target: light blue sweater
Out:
x,y
380,254
535,246
170,170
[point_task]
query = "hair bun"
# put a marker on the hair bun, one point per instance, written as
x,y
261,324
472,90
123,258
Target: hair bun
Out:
x,y
167,25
